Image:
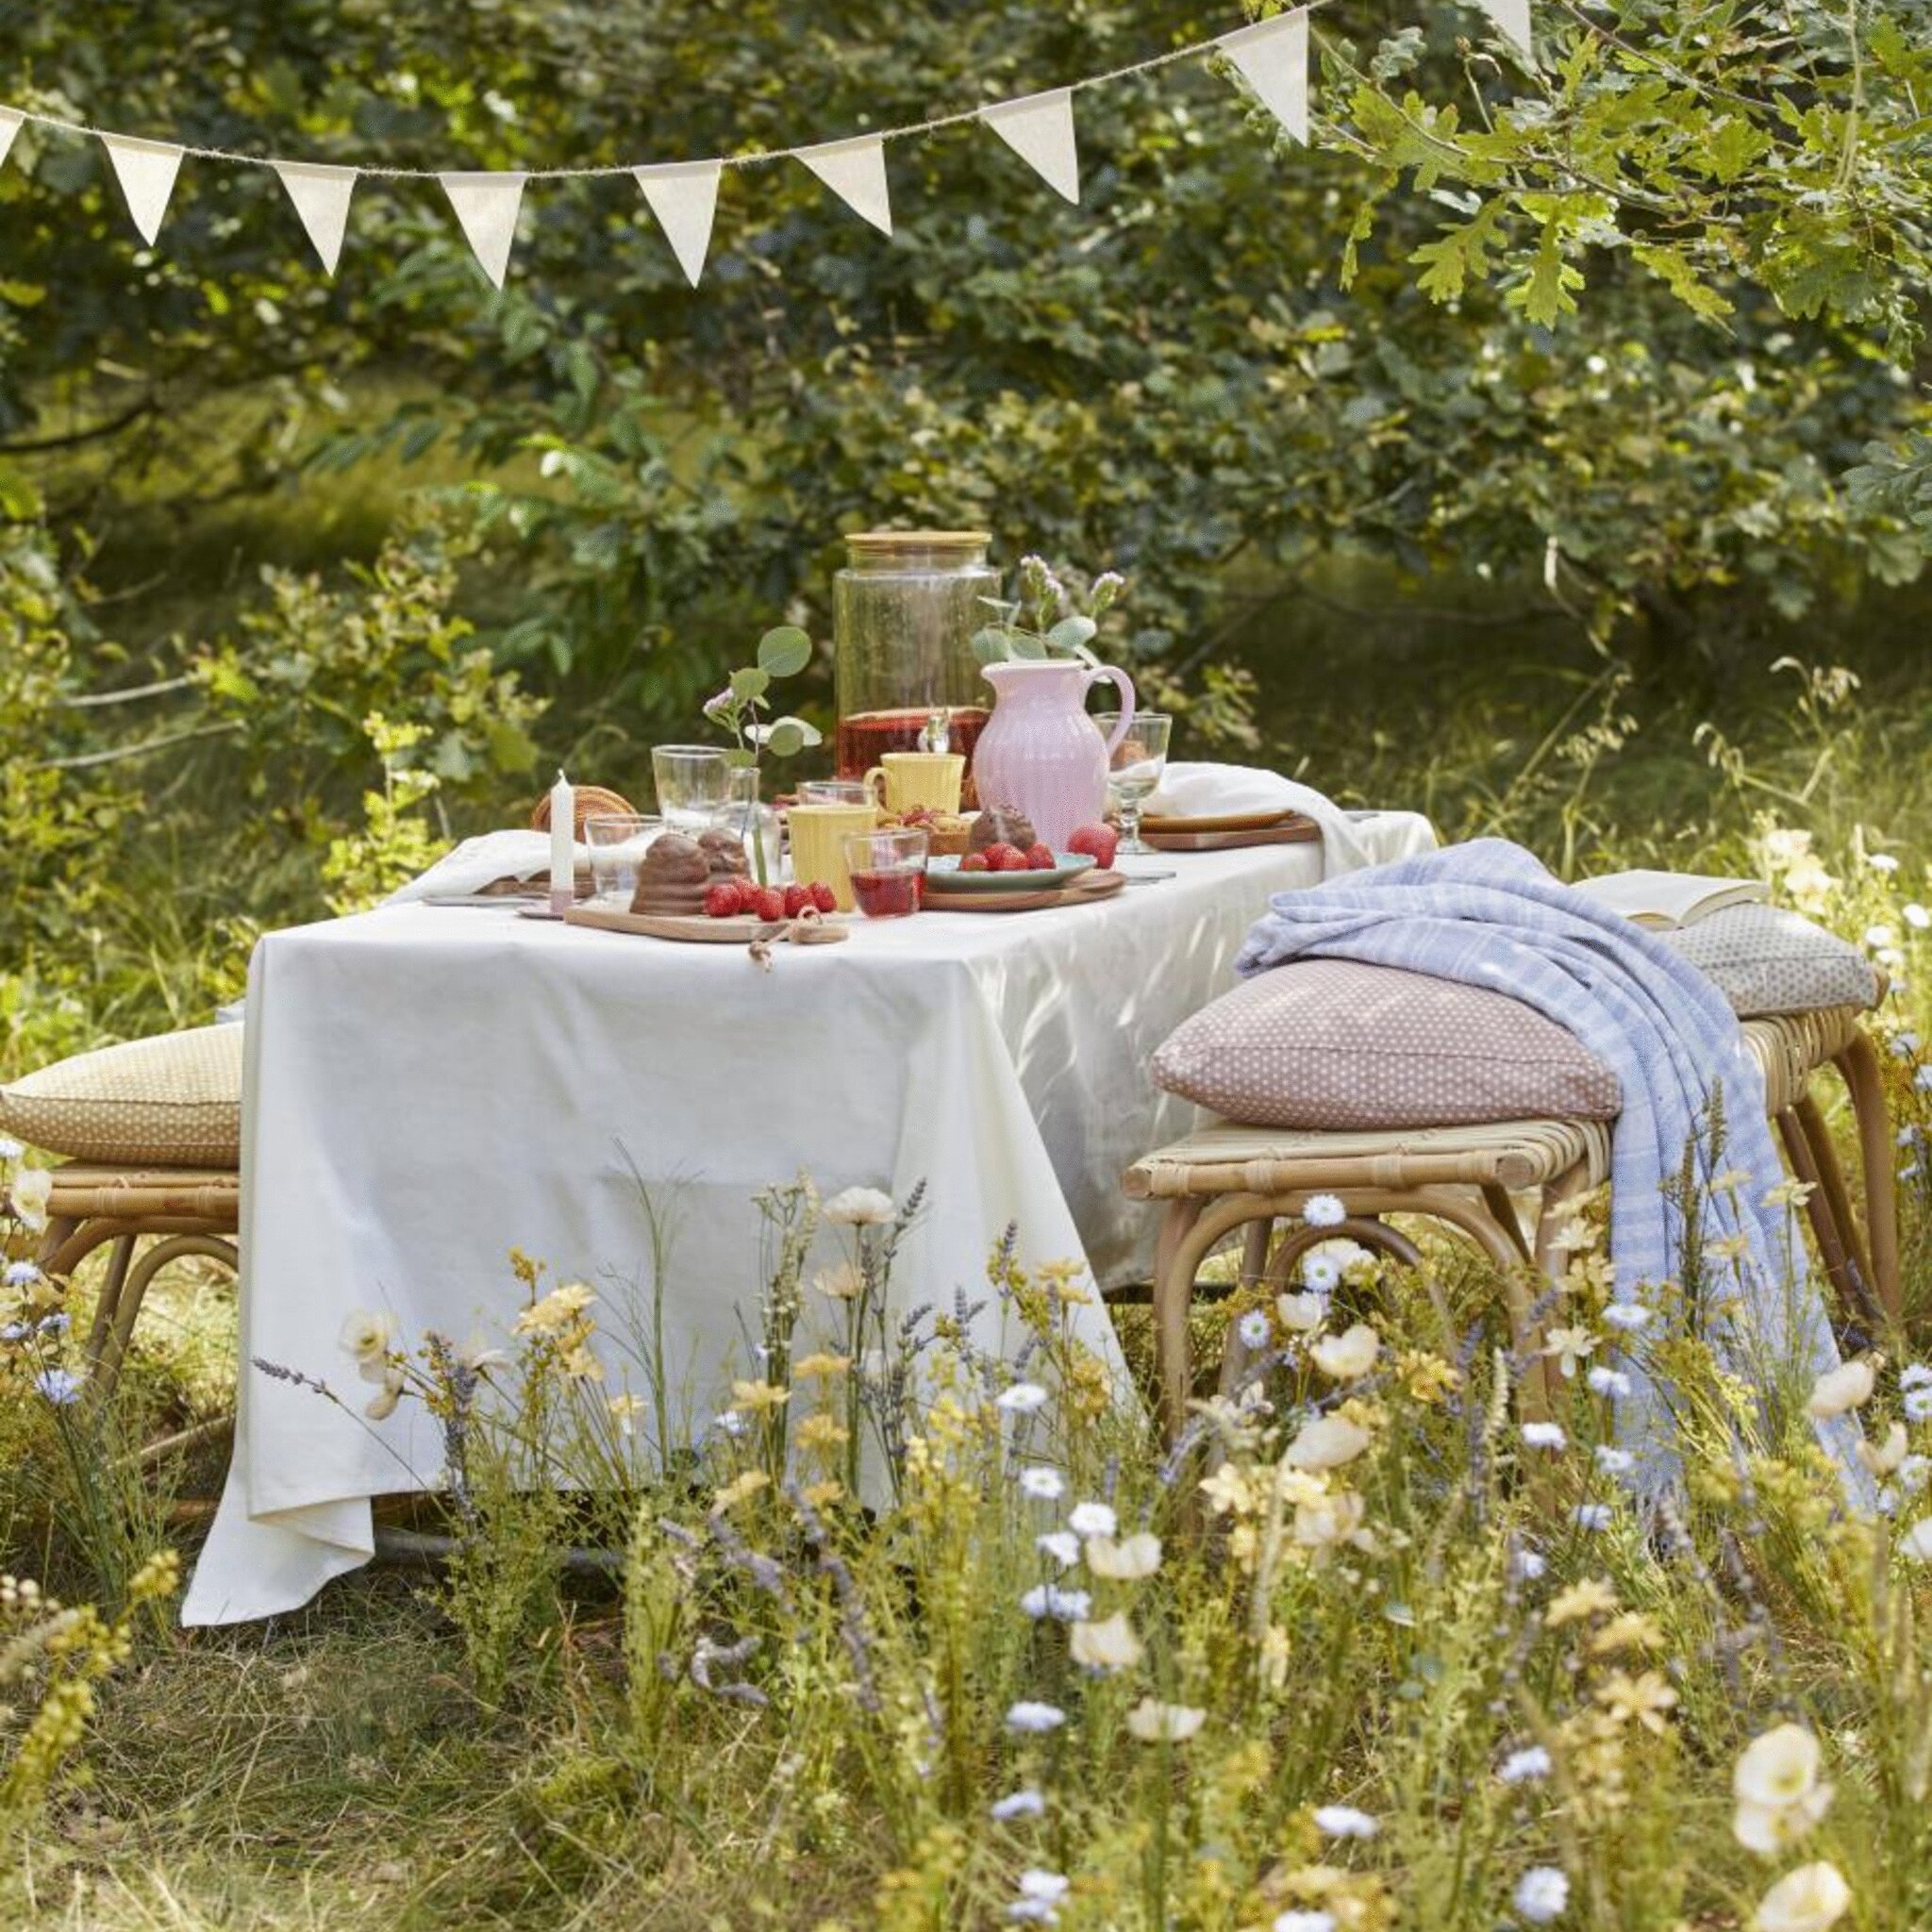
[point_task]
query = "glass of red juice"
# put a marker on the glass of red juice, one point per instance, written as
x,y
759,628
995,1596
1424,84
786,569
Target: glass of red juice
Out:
x,y
887,870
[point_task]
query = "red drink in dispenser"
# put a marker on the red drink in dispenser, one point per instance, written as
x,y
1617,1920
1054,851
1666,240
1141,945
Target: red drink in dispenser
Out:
x,y
903,613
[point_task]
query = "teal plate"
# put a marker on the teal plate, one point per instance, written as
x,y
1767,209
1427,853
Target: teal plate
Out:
x,y
942,875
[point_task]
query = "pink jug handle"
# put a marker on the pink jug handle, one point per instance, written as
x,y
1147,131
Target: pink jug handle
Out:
x,y
1113,675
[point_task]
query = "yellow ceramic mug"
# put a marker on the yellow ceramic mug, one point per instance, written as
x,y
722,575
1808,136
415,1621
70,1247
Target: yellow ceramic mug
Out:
x,y
818,844
910,778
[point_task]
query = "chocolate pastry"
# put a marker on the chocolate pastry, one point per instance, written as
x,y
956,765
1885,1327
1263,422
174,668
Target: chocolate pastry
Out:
x,y
675,870
1001,824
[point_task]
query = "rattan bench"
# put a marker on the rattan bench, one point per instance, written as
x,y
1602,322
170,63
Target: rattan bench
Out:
x,y
1225,1178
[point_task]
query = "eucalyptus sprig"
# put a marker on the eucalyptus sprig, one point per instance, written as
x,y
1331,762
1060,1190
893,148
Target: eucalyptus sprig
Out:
x,y
1044,619
740,707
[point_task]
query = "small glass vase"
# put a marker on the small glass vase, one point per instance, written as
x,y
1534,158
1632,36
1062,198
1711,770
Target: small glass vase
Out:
x,y
756,825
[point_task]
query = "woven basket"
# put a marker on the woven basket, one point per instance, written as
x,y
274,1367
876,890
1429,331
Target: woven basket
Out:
x,y
591,802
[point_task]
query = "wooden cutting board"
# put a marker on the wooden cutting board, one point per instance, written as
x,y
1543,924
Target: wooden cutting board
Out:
x,y
1089,886
738,931
1294,831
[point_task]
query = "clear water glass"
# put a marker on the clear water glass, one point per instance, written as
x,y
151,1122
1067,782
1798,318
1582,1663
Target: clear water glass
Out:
x,y
692,782
1134,772
757,825
618,842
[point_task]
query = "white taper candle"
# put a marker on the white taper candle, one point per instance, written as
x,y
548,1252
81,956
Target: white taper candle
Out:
x,y
563,851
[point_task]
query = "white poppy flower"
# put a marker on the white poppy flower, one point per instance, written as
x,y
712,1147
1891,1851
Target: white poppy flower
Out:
x,y
32,1189
1842,1389
1302,1313
1778,1768
1106,1646
1882,1458
367,1334
1344,1821
1325,1210
1127,1561
1346,1356
1323,1521
1022,1398
1154,1723
382,1404
1811,1899
1541,1893
1326,1443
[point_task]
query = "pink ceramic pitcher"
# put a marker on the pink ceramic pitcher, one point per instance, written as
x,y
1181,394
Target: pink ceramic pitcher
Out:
x,y
1039,751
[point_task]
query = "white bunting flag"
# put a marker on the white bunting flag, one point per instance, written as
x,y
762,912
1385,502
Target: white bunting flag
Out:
x,y
1039,129
322,199
1510,19
10,126
684,197
486,206
855,171
1272,56
146,169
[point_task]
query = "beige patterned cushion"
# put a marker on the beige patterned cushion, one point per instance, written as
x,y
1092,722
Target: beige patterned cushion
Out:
x,y
1767,960
1335,1044
176,1099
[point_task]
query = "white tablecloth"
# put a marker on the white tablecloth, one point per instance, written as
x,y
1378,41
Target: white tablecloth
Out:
x,y
428,1086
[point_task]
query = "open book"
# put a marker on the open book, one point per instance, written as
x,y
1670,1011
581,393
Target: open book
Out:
x,y
1661,900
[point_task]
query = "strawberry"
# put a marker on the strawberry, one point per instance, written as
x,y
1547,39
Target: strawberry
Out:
x,y
768,902
1098,843
974,862
1040,856
1000,857
721,901
823,897
797,897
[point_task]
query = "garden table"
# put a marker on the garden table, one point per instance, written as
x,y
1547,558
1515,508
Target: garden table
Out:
x,y
428,1086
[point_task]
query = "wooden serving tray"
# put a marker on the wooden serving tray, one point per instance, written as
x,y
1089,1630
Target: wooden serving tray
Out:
x,y
737,931
1295,831
1089,885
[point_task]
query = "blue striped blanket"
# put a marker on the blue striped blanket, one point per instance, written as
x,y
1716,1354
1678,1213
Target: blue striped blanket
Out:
x,y
1487,914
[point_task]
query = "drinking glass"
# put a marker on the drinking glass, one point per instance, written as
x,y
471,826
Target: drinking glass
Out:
x,y
888,872
692,781
1138,762
618,842
833,792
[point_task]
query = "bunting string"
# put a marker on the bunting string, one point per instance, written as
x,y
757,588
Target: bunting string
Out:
x,y
1272,57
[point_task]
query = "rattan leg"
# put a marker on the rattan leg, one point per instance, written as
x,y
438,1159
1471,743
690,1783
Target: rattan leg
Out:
x,y
1821,1209
1858,1064
1235,1353
106,1369
1173,1294
108,1304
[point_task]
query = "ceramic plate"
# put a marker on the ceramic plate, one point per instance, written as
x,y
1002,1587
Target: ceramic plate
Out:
x,y
942,875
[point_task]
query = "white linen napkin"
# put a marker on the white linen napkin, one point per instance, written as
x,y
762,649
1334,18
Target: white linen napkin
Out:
x,y
1204,791
482,861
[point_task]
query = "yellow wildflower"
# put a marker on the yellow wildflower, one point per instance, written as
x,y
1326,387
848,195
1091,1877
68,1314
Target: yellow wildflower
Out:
x,y
1647,1698
821,1432
757,1395
820,1364
739,1488
1594,1596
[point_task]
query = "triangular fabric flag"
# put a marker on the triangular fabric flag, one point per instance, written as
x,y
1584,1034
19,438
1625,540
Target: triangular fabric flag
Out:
x,y
322,199
855,171
1039,129
1272,56
146,169
10,119
486,206
1510,19
684,197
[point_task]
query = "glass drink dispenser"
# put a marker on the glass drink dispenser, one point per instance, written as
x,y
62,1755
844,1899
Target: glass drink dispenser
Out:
x,y
903,613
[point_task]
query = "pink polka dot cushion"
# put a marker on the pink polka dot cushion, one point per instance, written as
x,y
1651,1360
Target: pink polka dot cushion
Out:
x,y
1337,1045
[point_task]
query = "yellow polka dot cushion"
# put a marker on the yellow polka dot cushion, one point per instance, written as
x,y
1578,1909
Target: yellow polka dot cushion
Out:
x,y
174,1101
1338,1045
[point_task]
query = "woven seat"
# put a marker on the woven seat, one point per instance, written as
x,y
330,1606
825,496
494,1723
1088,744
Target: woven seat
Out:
x,y
1225,1178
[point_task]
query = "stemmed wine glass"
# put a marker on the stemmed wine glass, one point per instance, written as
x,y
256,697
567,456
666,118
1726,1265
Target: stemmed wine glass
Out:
x,y
1135,769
